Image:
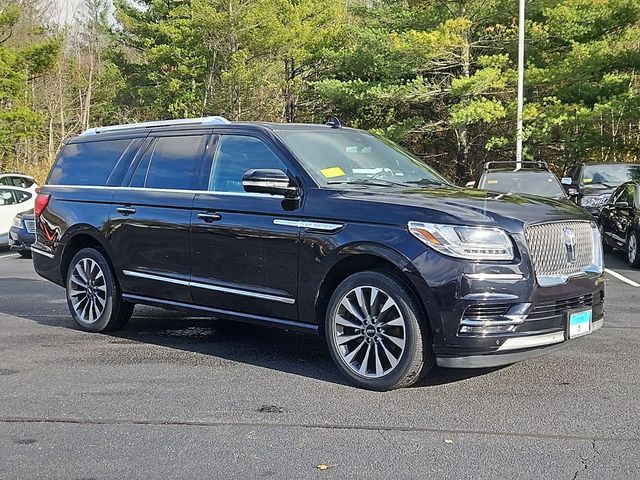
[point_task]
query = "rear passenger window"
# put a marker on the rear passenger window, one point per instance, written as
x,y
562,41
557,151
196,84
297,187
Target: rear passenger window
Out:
x,y
88,163
22,196
172,163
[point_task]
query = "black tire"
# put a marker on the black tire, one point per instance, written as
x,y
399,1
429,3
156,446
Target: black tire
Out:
x,y
115,312
416,357
606,248
633,249
25,253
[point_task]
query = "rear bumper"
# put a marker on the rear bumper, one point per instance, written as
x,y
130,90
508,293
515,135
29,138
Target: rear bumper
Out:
x,y
533,346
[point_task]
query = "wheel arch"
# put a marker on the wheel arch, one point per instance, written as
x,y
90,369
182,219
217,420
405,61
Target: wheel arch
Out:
x,y
75,239
360,257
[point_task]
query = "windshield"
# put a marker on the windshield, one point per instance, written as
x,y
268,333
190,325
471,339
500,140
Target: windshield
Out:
x,y
335,156
544,184
610,175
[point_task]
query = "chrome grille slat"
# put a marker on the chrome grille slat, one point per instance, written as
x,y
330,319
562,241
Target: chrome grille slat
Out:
x,y
549,252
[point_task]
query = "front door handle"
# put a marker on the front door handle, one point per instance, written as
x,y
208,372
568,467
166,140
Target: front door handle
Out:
x,y
126,211
210,217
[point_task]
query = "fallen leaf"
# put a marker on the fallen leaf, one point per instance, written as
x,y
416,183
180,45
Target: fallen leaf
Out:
x,y
448,440
322,466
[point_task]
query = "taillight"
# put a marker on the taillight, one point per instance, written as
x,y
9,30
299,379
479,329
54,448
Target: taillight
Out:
x,y
42,200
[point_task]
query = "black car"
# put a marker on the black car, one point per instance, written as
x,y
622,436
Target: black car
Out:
x,y
528,178
591,184
23,233
620,221
320,229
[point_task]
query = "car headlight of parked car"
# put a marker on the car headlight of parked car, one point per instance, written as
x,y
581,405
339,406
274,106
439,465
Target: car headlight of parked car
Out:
x,y
593,201
459,241
17,222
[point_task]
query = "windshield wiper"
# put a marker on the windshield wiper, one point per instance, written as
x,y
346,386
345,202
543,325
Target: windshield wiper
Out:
x,y
427,181
377,182
602,183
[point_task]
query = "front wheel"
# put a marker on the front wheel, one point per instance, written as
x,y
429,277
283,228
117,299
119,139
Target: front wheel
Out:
x,y
633,255
376,334
93,294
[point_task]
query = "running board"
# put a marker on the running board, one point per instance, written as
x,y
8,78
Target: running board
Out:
x,y
227,314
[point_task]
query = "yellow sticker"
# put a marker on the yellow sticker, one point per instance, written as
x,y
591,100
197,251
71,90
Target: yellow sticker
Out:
x,y
332,172
587,180
492,181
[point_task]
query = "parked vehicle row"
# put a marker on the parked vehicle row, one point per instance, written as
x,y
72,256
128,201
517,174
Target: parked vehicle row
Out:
x,y
316,228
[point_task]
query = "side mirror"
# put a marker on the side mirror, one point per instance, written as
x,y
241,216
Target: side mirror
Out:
x,y
470,184
271,181
622,205
568,181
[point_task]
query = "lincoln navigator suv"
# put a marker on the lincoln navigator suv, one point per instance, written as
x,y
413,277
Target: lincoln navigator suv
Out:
x,y
315,228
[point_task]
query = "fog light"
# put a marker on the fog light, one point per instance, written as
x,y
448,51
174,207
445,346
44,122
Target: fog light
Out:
x,y
486,330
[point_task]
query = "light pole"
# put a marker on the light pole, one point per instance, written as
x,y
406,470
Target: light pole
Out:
x,y
520,84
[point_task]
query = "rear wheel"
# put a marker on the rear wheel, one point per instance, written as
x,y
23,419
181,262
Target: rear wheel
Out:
x,y
633,253
376,334
93,294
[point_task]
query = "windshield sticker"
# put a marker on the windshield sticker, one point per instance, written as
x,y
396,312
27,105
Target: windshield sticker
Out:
x,y
332,172
587,180
491,182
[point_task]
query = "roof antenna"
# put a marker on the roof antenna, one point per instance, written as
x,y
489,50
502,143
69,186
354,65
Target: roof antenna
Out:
x,y
334,122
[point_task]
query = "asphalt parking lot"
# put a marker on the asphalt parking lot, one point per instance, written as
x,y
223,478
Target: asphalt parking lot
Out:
x,y
173,396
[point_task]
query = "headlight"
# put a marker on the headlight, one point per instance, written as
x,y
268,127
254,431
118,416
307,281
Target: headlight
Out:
x,y
593,201
17,222
471,243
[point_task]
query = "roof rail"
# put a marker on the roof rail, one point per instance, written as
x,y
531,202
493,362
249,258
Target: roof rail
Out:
x,y
525,164
215,120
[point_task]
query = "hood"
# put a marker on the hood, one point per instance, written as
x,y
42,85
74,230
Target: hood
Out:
x,y
597,190
470,206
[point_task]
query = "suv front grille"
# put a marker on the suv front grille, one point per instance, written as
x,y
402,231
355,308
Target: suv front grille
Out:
x,y
551,250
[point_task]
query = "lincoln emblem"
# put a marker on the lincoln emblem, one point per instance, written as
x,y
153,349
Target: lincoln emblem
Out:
x,y
570,244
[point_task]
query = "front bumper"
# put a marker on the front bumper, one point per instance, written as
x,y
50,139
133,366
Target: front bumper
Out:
x,y
485,315
20,240
536,345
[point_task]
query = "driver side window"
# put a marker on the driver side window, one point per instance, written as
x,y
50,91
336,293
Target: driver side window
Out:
x,y
234,156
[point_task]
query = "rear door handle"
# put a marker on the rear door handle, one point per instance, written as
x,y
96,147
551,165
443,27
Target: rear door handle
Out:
x,y
210,217
126,210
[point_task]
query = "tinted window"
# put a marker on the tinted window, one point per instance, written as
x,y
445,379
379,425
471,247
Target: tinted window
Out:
x,y
631,194
88,163
6,197
235,155
22,196
21,182
172,163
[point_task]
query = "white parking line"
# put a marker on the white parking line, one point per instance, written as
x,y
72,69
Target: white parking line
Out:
x,y
621,277
8,256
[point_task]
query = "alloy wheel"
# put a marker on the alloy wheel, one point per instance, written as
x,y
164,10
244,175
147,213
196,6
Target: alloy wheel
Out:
x,y
87,290
370,331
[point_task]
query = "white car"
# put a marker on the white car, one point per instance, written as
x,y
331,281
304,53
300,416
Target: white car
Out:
x,y
19,180
13,200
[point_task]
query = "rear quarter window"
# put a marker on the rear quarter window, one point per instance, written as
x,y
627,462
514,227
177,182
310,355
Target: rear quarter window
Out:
x,y
89,163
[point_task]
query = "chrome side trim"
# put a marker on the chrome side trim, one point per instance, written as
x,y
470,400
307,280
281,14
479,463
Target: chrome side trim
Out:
x,y
159,278
494,276
246,293
531,341
490,296
326,227
235,291
42,252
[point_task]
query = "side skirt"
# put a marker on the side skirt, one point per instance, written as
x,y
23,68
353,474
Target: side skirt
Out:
x,y
227,314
